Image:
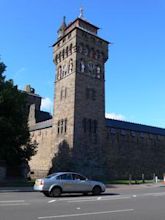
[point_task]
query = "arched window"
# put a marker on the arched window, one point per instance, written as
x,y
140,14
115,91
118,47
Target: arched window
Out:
x,y
63,54
59,72
82,66
58,127
64,70
70,66
60,56
62,122
70,48
56,58
67,51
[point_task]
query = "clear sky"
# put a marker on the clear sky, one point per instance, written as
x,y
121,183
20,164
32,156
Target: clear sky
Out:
x,y
135,71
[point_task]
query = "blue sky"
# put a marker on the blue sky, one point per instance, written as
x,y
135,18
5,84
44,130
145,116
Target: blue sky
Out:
x,y
135,71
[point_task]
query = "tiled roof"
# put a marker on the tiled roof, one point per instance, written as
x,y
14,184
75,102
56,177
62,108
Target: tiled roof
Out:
x,y
134,127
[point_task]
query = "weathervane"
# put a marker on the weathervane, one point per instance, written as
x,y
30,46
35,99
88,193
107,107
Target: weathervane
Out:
x,y
81,13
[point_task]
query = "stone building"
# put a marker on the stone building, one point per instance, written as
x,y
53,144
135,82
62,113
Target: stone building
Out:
x,y
78,134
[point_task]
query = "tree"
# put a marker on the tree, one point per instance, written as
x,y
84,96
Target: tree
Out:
x,y
15,142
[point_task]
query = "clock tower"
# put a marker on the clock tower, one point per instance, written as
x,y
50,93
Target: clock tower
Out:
x,y
79,100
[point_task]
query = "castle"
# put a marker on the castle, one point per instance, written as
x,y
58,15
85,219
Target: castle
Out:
x,y
78,136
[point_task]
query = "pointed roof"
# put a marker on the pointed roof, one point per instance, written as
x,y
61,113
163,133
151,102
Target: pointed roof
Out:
x,y
63,25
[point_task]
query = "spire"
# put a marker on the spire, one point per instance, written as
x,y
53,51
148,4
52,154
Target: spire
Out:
x,y
64,22
62,28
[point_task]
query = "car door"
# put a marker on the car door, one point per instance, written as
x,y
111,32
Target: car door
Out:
x,y
81,183
67,182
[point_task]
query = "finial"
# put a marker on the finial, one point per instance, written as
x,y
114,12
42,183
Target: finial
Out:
x,y
81,13
64,18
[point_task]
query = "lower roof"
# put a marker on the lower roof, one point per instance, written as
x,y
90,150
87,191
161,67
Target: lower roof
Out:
x,y
134,127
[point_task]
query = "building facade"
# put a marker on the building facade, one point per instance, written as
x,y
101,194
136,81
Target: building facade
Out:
x,y
78,136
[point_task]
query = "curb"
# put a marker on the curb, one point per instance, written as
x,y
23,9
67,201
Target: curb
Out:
x,y
16,189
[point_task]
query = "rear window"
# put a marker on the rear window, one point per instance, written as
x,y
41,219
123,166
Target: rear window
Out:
x,y
51,175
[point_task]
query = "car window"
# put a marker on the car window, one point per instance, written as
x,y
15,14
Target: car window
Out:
x,y
66,176
78,177
50,176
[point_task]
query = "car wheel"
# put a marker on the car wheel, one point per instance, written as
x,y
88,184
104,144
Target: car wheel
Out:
x,y
55,192
96,190
46,194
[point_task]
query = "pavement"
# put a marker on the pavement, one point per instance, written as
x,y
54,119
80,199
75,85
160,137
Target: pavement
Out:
x,y
108,186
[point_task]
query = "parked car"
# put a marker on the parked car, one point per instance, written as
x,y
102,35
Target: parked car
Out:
x,y
67,182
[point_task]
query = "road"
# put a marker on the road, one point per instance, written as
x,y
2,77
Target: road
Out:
x,y
122,203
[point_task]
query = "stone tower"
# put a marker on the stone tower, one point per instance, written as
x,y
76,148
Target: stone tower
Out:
x,y
79,100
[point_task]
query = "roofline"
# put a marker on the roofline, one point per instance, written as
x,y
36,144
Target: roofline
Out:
x,y
84,31
156,130
83,21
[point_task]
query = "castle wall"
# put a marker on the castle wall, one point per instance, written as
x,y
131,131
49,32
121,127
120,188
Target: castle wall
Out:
x,y
134,153
42,161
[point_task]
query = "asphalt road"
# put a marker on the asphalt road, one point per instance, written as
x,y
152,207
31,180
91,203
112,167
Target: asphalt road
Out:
x,y
122,203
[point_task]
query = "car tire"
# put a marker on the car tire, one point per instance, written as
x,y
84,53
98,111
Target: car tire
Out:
x,y
46,194
96,190
55,192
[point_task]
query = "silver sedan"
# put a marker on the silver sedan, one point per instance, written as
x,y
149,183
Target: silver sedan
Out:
x,y
67,182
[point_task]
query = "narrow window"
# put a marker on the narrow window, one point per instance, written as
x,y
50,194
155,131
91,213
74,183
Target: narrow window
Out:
x,y
58,127
70,49
65,93
61,96
89,125
63,53
62,123
66,51
65,126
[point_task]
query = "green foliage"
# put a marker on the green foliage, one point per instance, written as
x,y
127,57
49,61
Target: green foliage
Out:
x,y
15,143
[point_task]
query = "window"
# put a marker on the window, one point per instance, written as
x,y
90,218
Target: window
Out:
x,y
89,126
70,49
66,176
63,93
58,127
65,125
62,126
78,177
66,51
69,35
63,53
